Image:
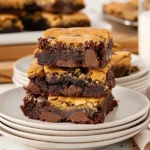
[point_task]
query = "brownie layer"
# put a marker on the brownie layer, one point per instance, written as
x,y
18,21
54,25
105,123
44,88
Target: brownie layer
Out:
x,y
61,6
43,20
76,47
68,109
122,63
70,81
10,23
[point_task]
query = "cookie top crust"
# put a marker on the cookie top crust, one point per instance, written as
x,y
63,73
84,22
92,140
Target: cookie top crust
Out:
x,y
76,35
77,102
121,58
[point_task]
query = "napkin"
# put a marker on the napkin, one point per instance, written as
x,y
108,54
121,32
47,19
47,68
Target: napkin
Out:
x,y
143,140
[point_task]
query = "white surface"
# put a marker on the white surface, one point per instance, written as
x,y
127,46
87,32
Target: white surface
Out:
x,y
144,36
31,37
77,139
136,61
59,146
124,113
125,145
71,133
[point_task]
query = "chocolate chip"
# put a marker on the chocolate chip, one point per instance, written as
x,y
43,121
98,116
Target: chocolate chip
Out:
x,y
91,58
34,89
71,90
69,63
50,117
79,116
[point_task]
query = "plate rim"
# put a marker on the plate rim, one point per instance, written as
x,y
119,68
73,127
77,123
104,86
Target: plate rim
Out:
x,y
77,139
79,127
54,145
63,133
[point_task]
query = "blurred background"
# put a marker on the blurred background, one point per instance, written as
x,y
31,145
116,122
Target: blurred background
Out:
x,y
22,22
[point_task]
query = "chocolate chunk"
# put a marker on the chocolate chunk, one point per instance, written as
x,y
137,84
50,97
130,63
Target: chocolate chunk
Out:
x,y
50,117
79,116
91,58
69,63
34,88
72,90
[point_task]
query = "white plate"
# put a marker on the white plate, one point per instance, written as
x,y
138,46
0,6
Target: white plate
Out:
x,y
77,139
127,145
124,113
136,61
148,92
20,77
21,66
144,87
71,133
19,82
66,146
138,85
136,81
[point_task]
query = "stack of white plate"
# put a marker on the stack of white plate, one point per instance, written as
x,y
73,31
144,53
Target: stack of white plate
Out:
x,y
125,121
137,81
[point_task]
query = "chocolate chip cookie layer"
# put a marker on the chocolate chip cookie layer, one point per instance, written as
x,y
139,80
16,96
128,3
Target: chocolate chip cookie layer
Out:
x,y
70,81
75,47
44,20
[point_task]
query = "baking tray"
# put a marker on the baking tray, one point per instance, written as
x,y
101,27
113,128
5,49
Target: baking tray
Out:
x,y
122,21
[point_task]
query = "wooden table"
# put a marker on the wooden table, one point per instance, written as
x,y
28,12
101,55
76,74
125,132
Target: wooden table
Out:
x,y
126,37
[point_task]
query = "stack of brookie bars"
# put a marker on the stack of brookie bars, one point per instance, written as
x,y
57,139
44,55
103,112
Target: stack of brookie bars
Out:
x,y
71,77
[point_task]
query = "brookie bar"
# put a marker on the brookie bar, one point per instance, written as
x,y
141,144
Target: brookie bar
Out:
x,y
75,47
70,81
61,6
10,23
68,109
17,6
44,20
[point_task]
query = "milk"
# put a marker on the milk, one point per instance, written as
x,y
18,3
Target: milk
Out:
x,y
144,36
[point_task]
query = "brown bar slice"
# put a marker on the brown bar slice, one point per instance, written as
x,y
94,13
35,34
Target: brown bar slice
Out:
x,y
70,81
122,63
75,47
10,23
61,6
17,6
44,20
68,109
126,11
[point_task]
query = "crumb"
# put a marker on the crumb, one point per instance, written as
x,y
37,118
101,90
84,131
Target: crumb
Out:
x,y
121,146
133,145
118,100
134,69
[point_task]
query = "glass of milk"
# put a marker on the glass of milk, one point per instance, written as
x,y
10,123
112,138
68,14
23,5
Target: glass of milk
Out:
x,y
144,30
